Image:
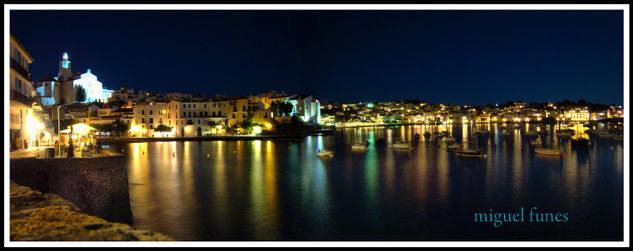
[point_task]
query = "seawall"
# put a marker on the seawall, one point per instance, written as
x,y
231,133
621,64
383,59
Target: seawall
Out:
x,y
35,216
97,186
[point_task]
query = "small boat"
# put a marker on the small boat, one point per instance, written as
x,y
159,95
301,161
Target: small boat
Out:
x,y
400,145
536,142
325,154
453,145
580,142
360,147
546,151
471,153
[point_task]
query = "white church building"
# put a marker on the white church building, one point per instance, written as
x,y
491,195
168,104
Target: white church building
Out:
x,y
93,87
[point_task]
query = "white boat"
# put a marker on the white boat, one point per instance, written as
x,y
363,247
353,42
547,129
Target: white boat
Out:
x,y
398,144
359,147
536,142
325,154
546,151
401,146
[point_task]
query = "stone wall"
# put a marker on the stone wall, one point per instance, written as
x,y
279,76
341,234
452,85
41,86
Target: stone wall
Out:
x,y
35,216
97,186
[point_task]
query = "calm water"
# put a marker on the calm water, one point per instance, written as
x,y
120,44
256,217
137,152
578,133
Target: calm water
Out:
x,y
278,190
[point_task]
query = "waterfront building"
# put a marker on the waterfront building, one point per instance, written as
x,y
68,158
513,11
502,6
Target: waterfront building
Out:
x,y
577,114
23,126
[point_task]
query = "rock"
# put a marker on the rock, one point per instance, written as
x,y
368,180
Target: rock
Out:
x,y
48,217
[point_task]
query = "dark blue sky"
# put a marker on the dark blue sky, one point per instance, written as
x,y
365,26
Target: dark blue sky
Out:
x,y
459,57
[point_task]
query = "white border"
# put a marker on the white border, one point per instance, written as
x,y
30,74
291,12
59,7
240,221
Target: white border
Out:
x,y
624,7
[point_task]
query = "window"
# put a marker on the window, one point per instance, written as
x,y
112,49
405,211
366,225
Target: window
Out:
x,y
151,127
170,122
194,105
189,105
219,114
150,112
142,112
243,115
233,115
243,108
198,121
194,114
206,114
151,120
190,114
183,105
142,120
184,114
213,104
205,105
213,114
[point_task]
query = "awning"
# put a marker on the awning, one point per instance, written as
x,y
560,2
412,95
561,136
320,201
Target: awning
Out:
x,y
81,128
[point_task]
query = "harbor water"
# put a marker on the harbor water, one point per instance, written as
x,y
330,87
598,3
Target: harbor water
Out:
x,y
281,190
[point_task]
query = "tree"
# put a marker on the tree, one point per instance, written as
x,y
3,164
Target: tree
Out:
x,y
285,108
80,94
120,128
163,128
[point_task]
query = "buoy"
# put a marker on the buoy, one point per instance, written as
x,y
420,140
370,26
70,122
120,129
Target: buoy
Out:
x,y
234,152
561,155
122,150
208,155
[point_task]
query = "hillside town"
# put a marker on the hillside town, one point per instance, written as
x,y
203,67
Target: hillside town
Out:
x,y
74,105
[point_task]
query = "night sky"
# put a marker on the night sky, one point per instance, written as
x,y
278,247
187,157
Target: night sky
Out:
x,y
458,57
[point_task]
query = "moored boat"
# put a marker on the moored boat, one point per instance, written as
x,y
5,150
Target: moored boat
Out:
x,y
536,142
325,154
546,151
399,144
471,153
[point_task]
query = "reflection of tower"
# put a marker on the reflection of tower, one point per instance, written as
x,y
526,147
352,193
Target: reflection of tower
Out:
x,y
64,93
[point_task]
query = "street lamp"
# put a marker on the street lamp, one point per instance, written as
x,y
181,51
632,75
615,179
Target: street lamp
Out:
x,y
59,139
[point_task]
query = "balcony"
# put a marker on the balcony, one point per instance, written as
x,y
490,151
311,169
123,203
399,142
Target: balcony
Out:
x,y
17,96
20,70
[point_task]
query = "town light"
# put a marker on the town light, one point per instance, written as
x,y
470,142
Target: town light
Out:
x,y
257,130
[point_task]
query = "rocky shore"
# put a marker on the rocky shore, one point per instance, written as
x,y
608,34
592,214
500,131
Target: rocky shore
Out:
x,y
36,216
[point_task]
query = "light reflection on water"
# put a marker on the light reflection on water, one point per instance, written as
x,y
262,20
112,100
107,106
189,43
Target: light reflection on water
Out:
x,y
278,190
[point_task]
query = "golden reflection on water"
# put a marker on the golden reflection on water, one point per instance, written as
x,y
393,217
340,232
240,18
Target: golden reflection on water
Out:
x,y
247,185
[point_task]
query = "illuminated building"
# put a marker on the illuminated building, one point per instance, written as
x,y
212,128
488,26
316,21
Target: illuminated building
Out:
x,y
62,89
23,125
577,115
